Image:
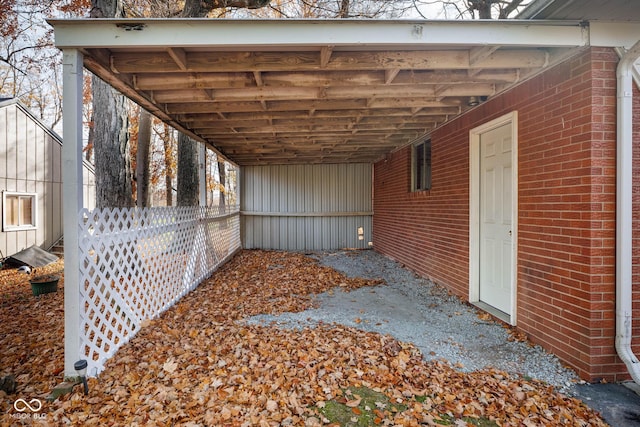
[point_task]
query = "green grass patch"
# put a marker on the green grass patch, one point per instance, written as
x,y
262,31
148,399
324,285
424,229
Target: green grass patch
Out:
x,y
364,407
447,420
371,409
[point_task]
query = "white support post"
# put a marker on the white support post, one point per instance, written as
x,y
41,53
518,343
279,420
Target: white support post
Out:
x,y
72,202
202,170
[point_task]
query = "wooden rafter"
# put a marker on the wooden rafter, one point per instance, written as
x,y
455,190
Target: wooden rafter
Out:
x,y
320,102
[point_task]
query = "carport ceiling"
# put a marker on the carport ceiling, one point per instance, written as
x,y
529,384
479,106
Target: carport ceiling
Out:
x,y
292,91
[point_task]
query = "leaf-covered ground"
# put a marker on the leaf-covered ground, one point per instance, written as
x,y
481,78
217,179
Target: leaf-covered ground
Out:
x,y
198,365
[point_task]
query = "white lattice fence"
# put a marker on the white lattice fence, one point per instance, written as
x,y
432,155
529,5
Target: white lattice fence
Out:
x,y
136,263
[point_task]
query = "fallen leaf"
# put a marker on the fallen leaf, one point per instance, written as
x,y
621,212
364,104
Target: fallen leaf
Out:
x,y
170,366
355,402
272,405
199,364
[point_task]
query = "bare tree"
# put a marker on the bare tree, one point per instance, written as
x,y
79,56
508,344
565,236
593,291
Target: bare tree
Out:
x,y
110,136
468,9
187,148
159,9
370,9
168,165
188,181
28,61
143,159
110,131
222,178
201,8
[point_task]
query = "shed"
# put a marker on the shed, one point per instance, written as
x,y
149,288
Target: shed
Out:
x,y
492,145
31,180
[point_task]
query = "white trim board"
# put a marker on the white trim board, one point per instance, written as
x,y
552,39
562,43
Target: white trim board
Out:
x,y
474,212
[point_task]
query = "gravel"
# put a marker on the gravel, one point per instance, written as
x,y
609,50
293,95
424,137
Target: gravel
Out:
x,y
413,309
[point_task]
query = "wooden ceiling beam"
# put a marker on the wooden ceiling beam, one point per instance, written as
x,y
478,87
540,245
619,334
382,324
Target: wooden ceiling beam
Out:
x,y
479,54
257,75
248,107
298,137
374,93
325,55
179,56
162,62
304,93
304,115
316,129
351,122
389,75
173,81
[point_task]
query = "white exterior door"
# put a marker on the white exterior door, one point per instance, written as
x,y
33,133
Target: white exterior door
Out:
x,y
496,228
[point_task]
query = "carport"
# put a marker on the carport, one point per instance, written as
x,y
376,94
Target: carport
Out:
x,y
264,93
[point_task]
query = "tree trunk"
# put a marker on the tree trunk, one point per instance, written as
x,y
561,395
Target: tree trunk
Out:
x,y
110,131
482,6
168,166
188,161
200,8
188,181
188,194
142,158
344,9
88,153
509,8
111,147
222,179
106,9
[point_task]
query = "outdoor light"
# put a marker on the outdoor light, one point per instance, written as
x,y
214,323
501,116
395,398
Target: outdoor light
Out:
x,y
473,101
81,368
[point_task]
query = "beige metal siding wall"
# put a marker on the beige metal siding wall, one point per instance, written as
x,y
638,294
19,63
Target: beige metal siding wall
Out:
x,y
31,162
5,151
29,155
89,186
306,207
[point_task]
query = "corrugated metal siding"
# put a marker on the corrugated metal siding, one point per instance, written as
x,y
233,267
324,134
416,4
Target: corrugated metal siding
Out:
x,y
31,162
306,207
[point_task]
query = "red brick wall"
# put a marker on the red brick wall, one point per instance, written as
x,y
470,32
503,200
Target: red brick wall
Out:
x,y
636,222
566,210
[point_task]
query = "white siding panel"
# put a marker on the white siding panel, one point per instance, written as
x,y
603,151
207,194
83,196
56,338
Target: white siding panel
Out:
x,y
21,147
89,187
32,156
306,207
31,161
11,145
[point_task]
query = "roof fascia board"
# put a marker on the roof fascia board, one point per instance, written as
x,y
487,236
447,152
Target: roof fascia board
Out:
x,y
150,33
614,34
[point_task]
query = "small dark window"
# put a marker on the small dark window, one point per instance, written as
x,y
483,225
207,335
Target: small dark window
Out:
x,y
422,166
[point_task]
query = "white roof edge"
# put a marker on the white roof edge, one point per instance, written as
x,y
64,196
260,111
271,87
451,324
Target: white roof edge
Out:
x,y
224,33
290,21
614,34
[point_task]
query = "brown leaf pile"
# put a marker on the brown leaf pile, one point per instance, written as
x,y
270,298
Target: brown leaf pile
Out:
x,y
198,366
31,334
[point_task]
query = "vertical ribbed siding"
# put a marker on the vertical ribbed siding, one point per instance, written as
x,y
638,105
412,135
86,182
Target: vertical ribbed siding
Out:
x,y
306,207
31,162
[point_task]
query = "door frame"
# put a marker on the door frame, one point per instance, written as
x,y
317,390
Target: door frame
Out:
x,y
474,213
